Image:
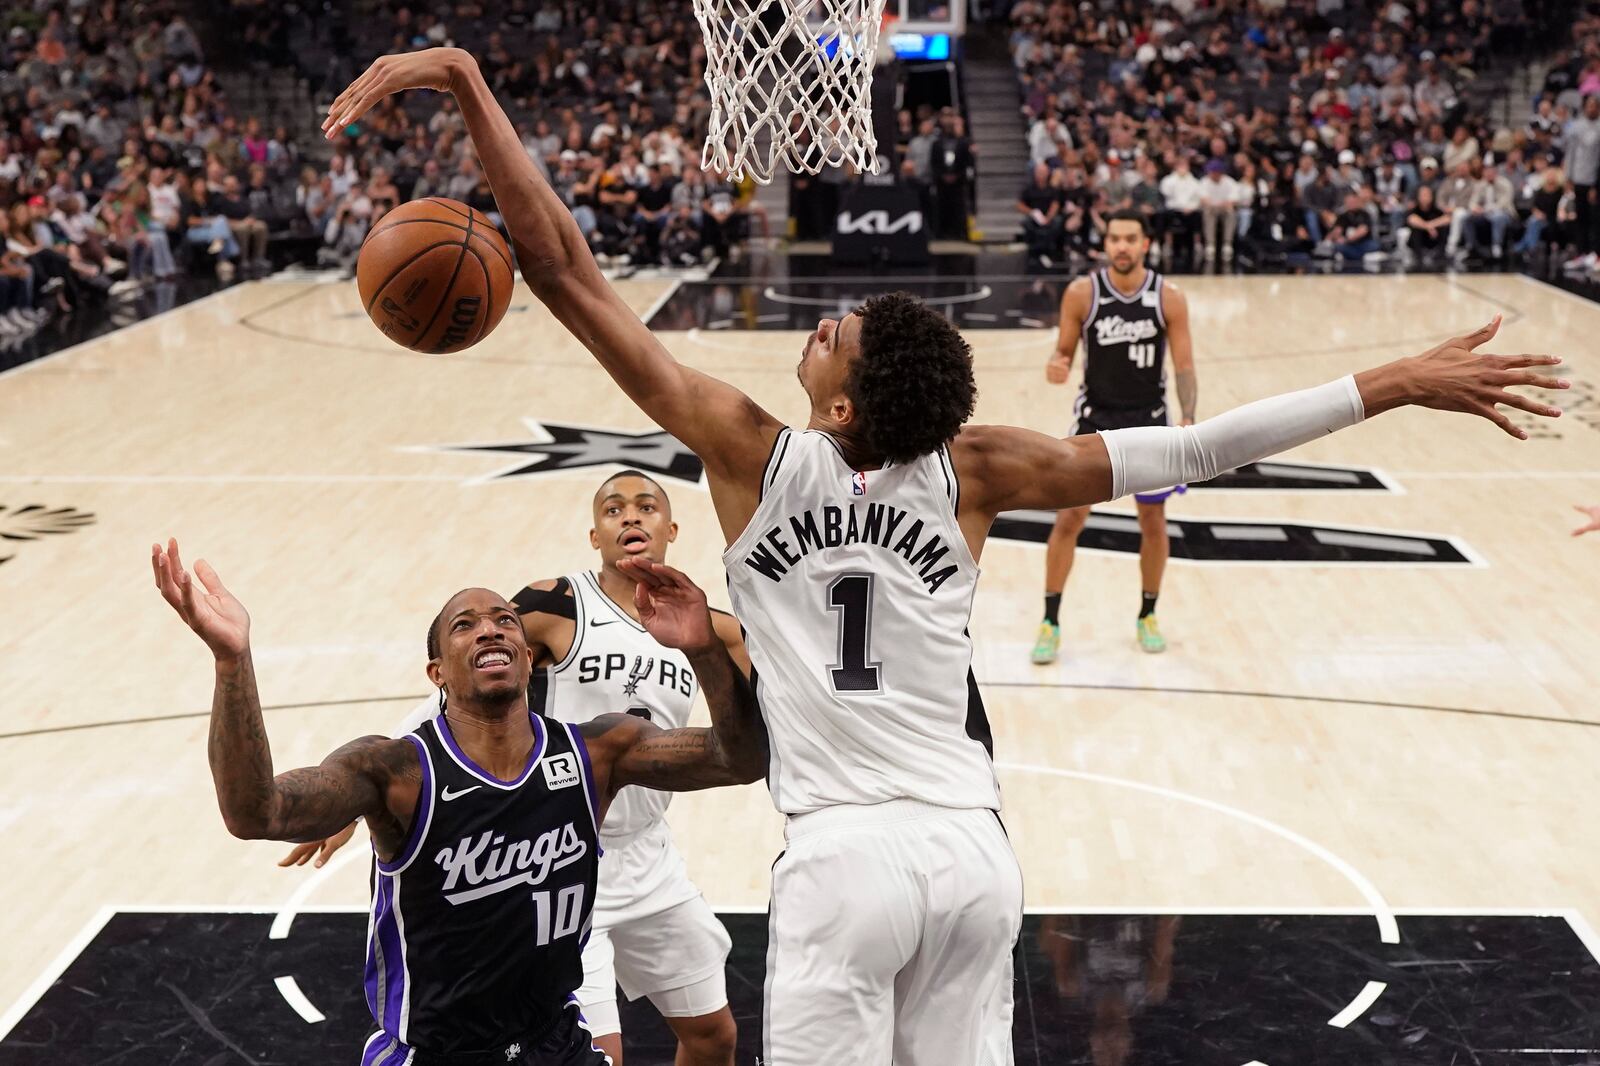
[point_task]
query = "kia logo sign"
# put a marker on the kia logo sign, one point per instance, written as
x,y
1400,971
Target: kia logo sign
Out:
x,y
878,222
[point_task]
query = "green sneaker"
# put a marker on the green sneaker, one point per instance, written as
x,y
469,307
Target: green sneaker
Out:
x,y
1047,644
1150,638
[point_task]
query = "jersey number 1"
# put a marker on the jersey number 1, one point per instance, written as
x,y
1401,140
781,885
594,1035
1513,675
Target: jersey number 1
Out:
x,y
1143,355
851,596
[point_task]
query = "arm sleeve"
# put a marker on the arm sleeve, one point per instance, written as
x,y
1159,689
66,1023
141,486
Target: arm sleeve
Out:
x,y
1153,457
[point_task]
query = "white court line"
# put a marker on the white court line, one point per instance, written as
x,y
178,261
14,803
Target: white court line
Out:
x,y
1585,932
57,966
661,301
983,293
1358,1006
290,989
1388,928
1559,291
33,363
294,904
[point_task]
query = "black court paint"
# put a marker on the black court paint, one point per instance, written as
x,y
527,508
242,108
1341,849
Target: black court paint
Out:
x,y
197,989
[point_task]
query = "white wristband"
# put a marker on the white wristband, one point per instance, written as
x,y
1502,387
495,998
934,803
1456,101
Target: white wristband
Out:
x,y
1149,458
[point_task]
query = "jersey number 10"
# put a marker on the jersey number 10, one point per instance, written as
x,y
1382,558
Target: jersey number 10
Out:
x,y
1142,355
568,914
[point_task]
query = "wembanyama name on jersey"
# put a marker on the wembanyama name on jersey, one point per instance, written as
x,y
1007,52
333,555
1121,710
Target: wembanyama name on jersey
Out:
x,y
894,530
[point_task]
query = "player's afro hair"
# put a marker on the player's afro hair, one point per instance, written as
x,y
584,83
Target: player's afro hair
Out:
x,y
911,382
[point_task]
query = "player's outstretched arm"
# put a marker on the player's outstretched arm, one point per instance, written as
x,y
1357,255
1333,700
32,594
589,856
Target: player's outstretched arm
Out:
x,y
724,427
1002,468
631,751
300,805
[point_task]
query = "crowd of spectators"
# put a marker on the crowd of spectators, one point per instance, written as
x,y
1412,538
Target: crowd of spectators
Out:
x,y
1300,129
121,162
609,100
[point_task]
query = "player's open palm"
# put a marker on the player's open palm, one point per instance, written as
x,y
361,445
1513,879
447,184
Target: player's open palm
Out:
x,y
431,68
1591,526
670,606
1455,376
212,611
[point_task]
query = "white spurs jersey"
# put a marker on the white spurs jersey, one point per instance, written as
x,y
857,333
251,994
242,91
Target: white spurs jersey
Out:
x,y
614,666
855,589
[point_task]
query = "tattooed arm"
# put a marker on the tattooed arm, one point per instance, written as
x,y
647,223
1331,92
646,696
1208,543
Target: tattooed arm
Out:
x,y
373,777
631,751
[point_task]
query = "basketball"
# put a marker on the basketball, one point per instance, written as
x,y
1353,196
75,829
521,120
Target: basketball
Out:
x,y
435,276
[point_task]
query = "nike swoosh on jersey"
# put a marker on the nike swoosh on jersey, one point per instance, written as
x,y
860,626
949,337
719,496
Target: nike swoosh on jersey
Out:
x,y
607,622
446,795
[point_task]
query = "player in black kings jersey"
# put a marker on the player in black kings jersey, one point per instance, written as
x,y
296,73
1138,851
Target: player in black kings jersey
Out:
x,y
1127,316
484,821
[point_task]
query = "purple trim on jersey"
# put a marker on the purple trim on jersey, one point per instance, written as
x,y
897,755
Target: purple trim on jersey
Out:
x,y
477,771
419,821
385,976
1161,317
1159,497
588,779
384,1049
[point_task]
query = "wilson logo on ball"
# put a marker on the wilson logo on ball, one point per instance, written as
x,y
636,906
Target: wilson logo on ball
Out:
x,y
462,320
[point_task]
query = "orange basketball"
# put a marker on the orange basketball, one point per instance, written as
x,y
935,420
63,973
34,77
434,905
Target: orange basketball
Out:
x,y
435,276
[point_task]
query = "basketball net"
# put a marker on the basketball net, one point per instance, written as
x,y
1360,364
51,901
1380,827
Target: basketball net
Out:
x,y
791,84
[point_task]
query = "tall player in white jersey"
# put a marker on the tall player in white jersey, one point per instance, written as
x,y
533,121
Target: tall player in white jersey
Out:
x,y
852,560
653,932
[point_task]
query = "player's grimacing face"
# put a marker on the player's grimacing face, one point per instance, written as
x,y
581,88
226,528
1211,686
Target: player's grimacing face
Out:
x,y
482,651
1126,245
632,518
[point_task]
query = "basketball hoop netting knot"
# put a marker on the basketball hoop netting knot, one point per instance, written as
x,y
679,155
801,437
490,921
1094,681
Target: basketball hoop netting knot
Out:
x,y
791,84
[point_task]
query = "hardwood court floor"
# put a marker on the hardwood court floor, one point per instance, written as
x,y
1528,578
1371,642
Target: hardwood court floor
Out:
x,y
1413,735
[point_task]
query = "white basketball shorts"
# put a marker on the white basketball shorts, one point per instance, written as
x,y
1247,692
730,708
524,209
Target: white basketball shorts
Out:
x,y
891,935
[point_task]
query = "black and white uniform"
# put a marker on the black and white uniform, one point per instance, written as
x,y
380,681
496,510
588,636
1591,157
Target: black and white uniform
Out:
x,y
1124,362
898,900
654,933
476,929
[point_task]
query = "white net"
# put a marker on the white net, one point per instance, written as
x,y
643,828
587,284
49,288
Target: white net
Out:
x,y
791,84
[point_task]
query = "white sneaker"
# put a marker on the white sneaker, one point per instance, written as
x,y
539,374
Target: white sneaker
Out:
x,y
9,326
126,285
1227,253
1499,252
1579,263
1210,252
224,270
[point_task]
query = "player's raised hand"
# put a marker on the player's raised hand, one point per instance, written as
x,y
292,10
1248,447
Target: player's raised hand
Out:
x,y
1455,376
322,849
213,613
671,607
1593,524
431,68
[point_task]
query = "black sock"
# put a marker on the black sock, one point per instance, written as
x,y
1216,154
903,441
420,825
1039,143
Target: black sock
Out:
x,y
1052,607
1147,604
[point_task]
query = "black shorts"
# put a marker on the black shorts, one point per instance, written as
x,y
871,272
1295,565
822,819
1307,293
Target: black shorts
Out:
x,y
1095,419
567,1043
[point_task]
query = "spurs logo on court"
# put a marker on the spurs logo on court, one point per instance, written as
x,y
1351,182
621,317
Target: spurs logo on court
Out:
x,y
484,866
560,448
1114,329
557,448
35,521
